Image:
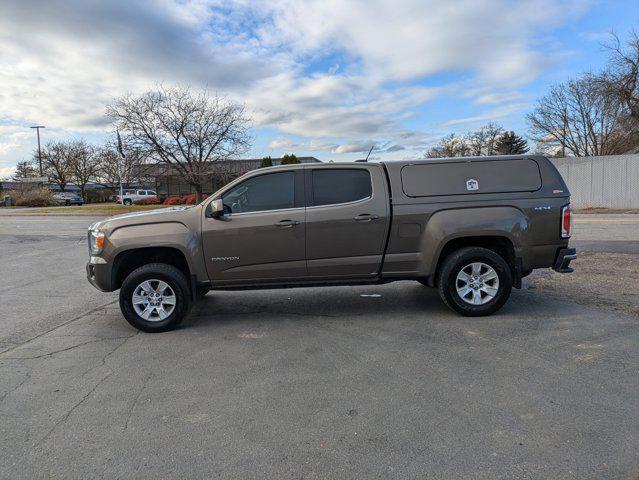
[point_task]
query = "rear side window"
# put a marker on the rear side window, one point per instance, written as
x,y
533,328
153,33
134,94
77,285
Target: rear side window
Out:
x,y
339,185
273,191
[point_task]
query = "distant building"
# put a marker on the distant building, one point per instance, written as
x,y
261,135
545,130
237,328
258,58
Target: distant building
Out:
x,y
167,182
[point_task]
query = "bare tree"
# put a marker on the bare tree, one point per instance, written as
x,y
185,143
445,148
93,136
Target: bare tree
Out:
x,y
577,118
24,169
56,162
83,165
114,168
187,131
484,140
451,145
620,79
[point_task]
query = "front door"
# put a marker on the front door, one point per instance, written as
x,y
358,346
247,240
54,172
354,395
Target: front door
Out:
x,y
261,236
346,221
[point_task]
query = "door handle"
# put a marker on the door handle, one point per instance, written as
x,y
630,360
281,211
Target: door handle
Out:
x,y
287,223
365,217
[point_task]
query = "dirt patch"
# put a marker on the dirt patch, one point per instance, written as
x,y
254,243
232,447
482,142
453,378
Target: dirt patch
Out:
x,y
605,211
607,280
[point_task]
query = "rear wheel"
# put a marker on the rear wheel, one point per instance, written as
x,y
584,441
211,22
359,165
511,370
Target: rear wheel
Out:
x,y
474,281
155,297
127,201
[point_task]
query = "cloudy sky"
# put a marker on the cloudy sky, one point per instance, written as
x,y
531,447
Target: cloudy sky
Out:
x,y
327,78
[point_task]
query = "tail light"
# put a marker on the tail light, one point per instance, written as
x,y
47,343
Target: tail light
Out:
x,y
566,221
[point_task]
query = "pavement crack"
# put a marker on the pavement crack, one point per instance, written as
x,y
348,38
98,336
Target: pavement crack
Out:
x,y
76,318
24,380
135,403
66,416
55,351
126,339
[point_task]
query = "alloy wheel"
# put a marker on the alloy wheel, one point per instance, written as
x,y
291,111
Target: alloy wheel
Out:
x,y
477,283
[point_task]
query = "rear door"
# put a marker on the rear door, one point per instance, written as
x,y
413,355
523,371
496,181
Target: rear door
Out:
x,y
347,219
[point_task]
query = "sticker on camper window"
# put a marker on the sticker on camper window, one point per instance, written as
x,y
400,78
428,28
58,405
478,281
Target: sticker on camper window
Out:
x,y
472,184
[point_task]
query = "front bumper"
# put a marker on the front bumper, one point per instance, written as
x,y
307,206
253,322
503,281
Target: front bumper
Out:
x,y
99,274
564,257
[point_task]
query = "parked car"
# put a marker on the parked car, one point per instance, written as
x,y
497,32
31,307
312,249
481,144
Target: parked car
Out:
x,y
129,197
68,198
471,227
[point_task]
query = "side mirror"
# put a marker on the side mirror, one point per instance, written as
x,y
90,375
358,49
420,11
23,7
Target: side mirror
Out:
x,y
215,209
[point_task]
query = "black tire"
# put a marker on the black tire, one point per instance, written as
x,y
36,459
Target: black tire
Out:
x,y
67,203
156,271
455,262
127,202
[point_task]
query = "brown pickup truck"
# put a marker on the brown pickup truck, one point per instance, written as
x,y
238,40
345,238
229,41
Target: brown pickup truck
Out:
x,y
471,227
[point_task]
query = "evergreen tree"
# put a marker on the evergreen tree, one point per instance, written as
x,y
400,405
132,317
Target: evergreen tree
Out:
x,y
511,144
289,159
266,162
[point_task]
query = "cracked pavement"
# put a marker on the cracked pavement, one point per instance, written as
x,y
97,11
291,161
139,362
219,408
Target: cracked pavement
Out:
x,y
305,383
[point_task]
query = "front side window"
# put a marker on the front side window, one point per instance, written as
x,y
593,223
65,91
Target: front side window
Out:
x,y
272,191
340,185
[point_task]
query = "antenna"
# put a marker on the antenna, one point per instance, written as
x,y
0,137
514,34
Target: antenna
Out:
x,y
369,153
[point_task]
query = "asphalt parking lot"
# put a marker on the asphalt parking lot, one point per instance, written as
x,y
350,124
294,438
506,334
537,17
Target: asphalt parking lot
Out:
x,y
311,383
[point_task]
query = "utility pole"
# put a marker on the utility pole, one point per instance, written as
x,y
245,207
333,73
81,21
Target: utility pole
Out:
x,y
121,151
38,127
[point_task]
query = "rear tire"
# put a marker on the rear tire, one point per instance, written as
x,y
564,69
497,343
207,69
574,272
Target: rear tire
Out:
x,y
163,306
127,202
474,281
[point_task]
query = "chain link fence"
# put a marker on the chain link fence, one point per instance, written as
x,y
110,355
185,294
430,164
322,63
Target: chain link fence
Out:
x,y
602,182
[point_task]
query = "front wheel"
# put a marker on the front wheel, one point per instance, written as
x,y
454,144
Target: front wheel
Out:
x,y
475,281
155,297
127,202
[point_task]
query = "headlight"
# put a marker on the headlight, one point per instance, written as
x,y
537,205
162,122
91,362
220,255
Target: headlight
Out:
x,y
96,241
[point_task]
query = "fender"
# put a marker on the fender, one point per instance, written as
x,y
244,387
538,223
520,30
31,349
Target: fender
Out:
x,y
446,225
162,234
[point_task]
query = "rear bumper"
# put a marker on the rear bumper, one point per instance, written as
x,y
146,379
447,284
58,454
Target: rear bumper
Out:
x,y
564,257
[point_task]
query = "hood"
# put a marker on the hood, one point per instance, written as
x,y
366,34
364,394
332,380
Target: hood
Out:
x,y
180,214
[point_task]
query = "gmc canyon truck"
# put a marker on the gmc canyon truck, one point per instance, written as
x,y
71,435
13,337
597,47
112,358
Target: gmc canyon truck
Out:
x,y
471,227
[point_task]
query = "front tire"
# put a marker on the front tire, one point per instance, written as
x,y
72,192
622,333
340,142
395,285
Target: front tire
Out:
x,y
155,297
127,202
474,281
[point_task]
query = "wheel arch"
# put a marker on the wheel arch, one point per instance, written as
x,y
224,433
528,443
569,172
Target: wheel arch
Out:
x,y
499,229
500,244
129,260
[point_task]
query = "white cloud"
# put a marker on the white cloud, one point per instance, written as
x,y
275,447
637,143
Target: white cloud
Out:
x,y
407,39
490,98
491,114
355,147
63,60
7,172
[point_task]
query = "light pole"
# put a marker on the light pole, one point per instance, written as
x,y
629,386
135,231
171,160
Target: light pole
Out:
x,y
38,127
